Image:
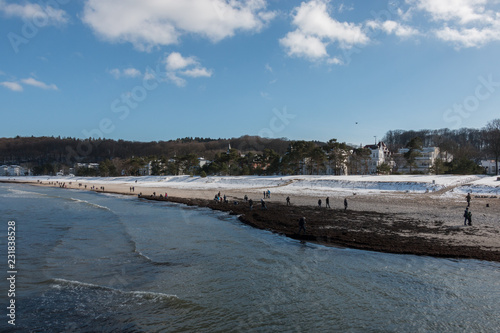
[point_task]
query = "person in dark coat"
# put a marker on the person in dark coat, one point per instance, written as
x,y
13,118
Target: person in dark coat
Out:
x,y
327,202
468,199
345,203
302,224
263,204
288,201
466,215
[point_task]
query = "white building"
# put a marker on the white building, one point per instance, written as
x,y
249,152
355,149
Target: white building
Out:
x,y
490,167
13,170
380,154
86,165
203,161
426,160
146,170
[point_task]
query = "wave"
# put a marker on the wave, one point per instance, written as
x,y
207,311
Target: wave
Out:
x,y
149,260
15,193
89,203
146,295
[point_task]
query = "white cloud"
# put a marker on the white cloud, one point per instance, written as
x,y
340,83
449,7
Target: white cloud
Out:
x,y
35,83
302,45
392,27
469,37
197,72
312,18
316,29
41,16
127,72
178,81
131,72
265,95
115,72
176,65
151,23
176,61
464,11
14,86
465,23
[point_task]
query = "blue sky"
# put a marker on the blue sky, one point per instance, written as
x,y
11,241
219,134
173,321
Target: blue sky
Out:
x,y
158,70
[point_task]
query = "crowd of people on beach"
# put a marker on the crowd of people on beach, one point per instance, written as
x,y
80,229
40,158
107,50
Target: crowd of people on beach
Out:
x,y
222,198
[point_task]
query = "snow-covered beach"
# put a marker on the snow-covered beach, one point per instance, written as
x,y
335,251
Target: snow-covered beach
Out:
x,y
449,185
435,203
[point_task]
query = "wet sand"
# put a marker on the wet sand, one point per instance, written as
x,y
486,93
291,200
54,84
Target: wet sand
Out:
x,y
402,223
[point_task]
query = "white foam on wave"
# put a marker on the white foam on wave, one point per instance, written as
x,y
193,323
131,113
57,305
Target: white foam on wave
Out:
x,y
147,295
90,203
15,193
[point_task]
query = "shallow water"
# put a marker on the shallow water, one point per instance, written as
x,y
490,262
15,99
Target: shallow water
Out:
x,y
95,262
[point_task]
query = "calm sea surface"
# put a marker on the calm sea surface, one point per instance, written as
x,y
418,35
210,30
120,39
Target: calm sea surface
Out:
x,y
91,262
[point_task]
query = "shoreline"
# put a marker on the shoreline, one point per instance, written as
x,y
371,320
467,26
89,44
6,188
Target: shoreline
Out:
x,y
401,223
350,229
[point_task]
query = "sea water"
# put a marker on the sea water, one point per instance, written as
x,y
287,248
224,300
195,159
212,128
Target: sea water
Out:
x,y
93,262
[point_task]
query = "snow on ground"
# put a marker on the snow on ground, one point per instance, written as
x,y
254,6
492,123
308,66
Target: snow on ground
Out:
x,y
484,186
307,185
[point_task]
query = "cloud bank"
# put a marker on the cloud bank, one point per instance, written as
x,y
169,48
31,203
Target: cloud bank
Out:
x,y
150,23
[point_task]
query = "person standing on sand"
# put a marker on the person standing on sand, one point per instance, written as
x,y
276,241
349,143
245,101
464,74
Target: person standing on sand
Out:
x,y
263,204
345,204
468,199
302,225
466,215
469,217
327,202
319,203
288,201
250,203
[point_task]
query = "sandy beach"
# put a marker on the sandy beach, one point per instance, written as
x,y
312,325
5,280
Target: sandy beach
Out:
x,y
428,223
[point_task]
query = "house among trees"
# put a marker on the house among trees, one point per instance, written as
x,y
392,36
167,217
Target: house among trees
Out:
x,y
380,159
421,160
490,167
13,170
442,151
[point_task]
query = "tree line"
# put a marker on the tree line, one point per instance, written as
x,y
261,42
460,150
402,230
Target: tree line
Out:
x,y
248,155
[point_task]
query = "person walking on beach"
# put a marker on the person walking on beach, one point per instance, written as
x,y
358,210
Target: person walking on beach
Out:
x,y
469,217
288,201
245,198
302,225
268,194
327,202
263,204
468,199
345,204
466,215
319,203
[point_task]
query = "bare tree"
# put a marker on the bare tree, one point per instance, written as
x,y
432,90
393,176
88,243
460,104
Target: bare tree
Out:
x,y
492,139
